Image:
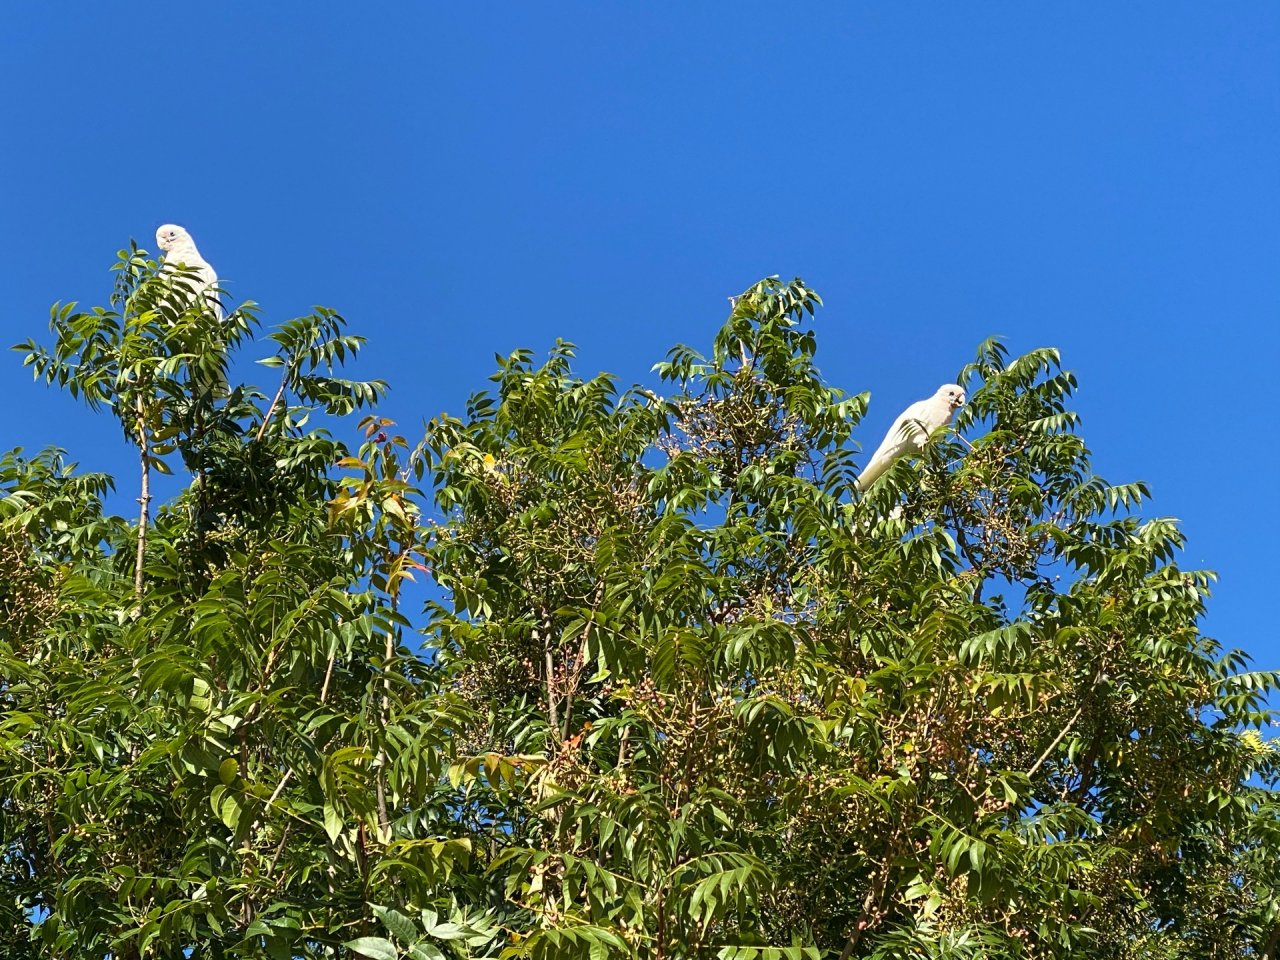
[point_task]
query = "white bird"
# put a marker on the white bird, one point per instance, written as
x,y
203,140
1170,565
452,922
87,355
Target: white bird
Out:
x,y
180,251
912,428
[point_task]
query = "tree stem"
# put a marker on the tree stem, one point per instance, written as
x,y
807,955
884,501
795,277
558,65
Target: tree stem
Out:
x,y
623,743
144,499
544,630
869,905
389,652
1268,952
384,821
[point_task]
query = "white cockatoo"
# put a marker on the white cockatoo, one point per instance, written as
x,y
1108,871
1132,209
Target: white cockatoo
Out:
x,y
911,429
180,250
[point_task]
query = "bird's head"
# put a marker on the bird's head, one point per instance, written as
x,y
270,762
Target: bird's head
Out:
x,y
953,393
171,235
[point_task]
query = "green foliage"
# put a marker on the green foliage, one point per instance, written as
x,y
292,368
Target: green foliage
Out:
x,y
681,690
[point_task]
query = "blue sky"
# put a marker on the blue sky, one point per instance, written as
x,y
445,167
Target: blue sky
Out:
x,y
464,179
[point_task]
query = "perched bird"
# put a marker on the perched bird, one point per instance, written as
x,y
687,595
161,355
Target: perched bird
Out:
x,y
912,428
180,251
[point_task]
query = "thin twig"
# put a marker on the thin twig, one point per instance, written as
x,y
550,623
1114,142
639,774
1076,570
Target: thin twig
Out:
x,y
328,672
1059,738
288,772
275,857
275,794
266,418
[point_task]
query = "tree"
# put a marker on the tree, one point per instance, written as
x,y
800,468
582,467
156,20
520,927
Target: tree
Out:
x,y
680,689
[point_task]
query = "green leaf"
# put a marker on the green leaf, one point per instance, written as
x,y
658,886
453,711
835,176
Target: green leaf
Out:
x,y
333,823
397,924
227,806
227,770
374,947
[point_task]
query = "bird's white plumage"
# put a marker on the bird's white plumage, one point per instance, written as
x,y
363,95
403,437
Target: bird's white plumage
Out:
x,y
911,429
180,250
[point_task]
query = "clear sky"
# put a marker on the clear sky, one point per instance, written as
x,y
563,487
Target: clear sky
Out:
x,y
463,179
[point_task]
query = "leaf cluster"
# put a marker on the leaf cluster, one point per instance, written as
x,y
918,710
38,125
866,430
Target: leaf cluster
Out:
x,y
679,689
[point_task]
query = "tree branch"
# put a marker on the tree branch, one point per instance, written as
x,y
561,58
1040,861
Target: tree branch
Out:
x,y
144,497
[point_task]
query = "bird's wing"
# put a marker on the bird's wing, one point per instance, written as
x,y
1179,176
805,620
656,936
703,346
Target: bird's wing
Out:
x,y
209,279
905,436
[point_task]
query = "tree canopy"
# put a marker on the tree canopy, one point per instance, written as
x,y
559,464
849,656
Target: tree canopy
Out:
x,y
679,689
